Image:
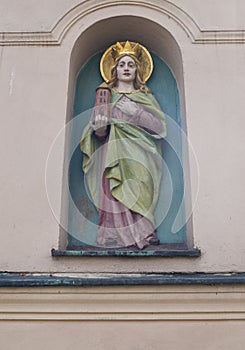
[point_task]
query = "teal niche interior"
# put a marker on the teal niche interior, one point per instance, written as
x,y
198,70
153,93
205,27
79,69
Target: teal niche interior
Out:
x,y
82,215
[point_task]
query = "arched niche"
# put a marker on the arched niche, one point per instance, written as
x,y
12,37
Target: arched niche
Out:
x,y
96,39
106,32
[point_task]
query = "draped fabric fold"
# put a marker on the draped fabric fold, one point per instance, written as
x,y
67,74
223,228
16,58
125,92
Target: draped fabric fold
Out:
x,y
129,158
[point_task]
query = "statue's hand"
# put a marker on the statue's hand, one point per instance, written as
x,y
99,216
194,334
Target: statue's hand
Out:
x,y
128,107
100,124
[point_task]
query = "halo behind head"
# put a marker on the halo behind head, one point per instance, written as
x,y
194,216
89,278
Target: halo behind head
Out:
x,y
126,48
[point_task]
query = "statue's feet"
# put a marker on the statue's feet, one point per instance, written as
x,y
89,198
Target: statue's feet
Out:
x,y
154,241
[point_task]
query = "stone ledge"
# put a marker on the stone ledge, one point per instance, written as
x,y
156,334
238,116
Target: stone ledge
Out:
x,y
114,279
158,252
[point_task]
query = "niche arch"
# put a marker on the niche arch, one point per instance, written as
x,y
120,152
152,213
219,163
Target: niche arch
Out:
x,y
163,46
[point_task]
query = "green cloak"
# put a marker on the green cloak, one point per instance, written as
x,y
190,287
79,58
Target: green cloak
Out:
x,y
133,162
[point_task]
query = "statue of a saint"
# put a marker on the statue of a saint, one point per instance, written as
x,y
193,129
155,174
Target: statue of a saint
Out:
x,y
125,133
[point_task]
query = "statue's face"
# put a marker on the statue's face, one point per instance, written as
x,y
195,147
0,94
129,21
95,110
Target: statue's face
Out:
x,y
126,69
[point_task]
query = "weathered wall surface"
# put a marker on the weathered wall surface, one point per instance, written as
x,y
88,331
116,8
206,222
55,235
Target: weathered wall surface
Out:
x,y
36,99
123,318
42,47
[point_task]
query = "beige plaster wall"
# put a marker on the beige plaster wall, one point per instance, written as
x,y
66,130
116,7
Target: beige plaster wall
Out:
x,y
122,318
30,16
123,335
36,45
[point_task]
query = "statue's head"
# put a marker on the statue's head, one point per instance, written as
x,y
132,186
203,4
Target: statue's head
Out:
x,y
130,54
126,68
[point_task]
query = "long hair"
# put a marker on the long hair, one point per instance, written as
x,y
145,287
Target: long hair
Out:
x,y
138,81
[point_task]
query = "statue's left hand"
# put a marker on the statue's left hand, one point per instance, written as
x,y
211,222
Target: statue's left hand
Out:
x,y
128,107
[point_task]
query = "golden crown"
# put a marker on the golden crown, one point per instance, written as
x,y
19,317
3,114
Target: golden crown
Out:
x,y
126,48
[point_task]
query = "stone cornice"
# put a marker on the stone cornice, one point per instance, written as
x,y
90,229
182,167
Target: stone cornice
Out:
x,y
166,8
200,303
